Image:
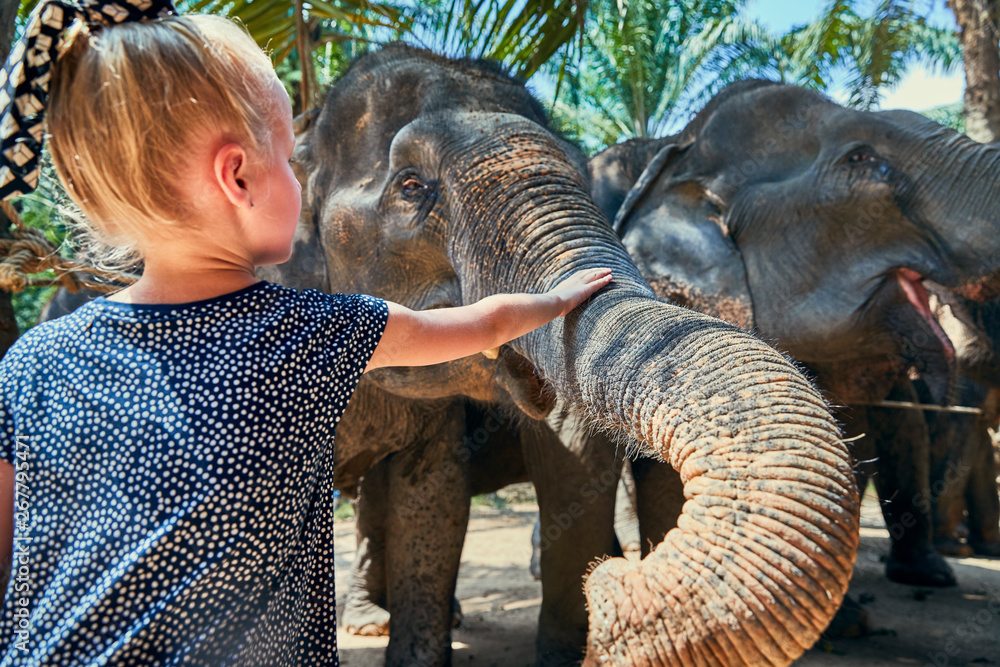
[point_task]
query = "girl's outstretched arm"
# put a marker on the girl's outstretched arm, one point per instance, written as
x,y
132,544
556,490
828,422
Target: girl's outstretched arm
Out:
x,y
424,337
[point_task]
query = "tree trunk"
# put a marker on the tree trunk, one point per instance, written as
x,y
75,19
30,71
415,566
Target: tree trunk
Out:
x,y
308,84
8,14
977,20
8,324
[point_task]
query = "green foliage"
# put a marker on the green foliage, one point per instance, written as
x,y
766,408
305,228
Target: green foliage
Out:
x,y
874,50
343,510
28,305
272,22
643,63
522,34
488,500
949,115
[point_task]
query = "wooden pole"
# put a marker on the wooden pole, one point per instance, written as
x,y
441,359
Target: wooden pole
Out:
x,y
906,405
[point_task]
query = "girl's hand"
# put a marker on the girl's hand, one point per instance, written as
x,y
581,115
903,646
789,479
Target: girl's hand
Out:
x,y
420,338
578,287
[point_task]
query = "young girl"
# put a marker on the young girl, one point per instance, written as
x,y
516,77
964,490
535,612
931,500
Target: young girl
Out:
x,y
173,442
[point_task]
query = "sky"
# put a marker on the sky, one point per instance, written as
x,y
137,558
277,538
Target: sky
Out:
x,y
920,89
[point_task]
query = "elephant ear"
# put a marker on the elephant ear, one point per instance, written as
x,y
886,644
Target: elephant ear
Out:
x,y
615,170
675,230
306,267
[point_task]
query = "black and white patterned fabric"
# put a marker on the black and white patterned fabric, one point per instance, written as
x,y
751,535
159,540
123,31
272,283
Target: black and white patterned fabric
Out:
x,y
174,469
25,79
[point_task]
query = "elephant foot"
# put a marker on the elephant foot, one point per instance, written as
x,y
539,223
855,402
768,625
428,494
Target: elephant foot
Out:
x,y
850,621
365,618
989,548
952,547
923,567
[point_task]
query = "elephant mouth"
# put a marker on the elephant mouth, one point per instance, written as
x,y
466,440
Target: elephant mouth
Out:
x,y
923,345
916,294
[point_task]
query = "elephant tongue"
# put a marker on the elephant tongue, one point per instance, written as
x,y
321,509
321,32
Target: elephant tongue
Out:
x,y
912,286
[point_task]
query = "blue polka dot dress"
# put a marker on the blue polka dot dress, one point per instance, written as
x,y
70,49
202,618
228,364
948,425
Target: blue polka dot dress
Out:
x,y
174,476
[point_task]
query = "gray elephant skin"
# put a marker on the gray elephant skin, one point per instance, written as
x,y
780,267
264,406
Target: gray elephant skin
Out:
x,y
434,183
963,469
816,225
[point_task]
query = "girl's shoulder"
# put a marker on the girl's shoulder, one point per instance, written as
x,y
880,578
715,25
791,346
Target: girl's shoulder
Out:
x,y
35,347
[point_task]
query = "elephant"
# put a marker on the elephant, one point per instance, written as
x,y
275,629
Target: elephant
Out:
x,y
434,182
963,476
963,469
702,217
815,226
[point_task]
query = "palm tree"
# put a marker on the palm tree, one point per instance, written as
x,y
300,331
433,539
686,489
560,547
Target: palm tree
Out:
x,y
978,20
874,50
284,27
644,63
292,27
522,34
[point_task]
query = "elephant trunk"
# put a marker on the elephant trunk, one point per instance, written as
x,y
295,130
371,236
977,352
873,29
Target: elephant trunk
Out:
x,y
953,184
763,552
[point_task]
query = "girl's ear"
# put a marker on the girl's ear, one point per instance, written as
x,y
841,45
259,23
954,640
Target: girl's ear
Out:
x,y
230,171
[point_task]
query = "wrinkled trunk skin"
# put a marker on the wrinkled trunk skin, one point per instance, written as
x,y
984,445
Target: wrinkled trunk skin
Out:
x,y
769,486
961,210
763,552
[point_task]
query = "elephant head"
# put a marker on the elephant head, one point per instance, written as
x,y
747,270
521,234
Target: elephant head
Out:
x,y
436,182
812,223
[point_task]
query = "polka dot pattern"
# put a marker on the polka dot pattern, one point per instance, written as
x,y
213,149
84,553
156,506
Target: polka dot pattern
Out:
x,y
176,468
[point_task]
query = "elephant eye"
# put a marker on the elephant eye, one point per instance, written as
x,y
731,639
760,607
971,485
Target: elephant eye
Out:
x,y
862,155
411,187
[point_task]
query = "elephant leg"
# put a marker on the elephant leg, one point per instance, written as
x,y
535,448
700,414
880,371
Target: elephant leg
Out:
x,y
952,445
852,620
981,496
576,479
626,512
863,452
428,499
659,496
902,442
365,612
493,445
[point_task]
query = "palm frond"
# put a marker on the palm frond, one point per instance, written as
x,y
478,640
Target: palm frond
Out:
x,y
521,34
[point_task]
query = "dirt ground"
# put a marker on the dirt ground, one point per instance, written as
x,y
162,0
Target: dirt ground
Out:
x,y
925,627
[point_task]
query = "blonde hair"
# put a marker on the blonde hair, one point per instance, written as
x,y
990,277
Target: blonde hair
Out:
x,y
128,101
